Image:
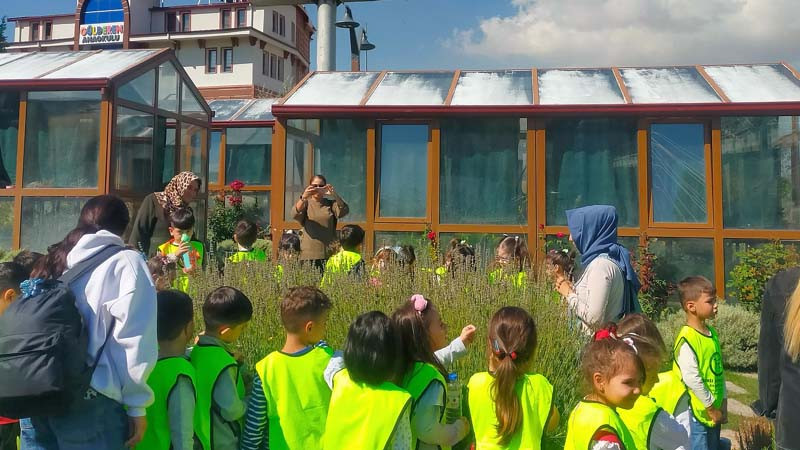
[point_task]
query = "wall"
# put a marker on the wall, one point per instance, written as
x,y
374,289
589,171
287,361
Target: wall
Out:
x,y
64,28
140,15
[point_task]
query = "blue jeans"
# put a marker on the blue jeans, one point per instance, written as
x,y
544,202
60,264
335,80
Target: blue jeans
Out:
x,y
707,438
97,423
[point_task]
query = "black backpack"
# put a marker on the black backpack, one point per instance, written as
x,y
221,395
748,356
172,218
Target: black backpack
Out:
x,y
43,343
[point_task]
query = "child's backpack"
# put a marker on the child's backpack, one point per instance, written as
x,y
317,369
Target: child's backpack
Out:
x,y
43,343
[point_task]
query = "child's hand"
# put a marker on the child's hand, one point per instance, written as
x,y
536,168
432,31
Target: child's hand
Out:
x,y
715,414
237,355
465,424
183,248
467,334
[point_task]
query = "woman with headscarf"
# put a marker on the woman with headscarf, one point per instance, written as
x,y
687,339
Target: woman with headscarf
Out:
x,y
150,228
607,287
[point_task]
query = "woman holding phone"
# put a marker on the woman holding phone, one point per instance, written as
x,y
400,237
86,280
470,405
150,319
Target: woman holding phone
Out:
x,y
318,210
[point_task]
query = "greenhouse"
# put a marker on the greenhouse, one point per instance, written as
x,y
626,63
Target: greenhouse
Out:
x,y
78,124
699,160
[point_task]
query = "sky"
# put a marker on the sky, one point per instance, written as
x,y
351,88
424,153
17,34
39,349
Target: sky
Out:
x,y
480,34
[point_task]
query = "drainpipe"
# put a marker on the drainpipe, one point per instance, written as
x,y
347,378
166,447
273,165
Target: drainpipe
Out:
x,y
326,35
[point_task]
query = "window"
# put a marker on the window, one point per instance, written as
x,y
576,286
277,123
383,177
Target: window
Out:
x,y
211,60
678,173
193,147
44,218
265,64
227,60
678,258
226,19
213,157
168,87
273,66
403,190
241,18
248,154
67,124
35,31
294,33
141,89
275,21
6,226
48,31
186,21
9,127
280,68
282,25
172,22
133,146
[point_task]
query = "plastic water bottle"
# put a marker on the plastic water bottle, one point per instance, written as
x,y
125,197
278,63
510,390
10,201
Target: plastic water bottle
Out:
x,y
187,262
453,404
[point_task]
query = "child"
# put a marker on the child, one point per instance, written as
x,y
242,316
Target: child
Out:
x,y
27,259
509,406
651,426
399,256
459,255
11,275
170,419
614,374
163,271
368,410
181,223
288,251
421,330
348,260
510,262
560,262
289,402
220,389
245,235
698,362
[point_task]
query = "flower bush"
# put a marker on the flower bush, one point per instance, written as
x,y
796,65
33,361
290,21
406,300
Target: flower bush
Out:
x,y
755,267
228,209
655,291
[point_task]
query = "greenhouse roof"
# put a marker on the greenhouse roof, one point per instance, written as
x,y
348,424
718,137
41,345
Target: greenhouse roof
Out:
x,y
702,88
72,69
243,110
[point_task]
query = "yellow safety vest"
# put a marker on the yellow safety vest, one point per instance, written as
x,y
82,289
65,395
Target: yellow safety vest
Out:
x,y
640,420
536,399
297,397
709,364
499,275
209,362
422,376
196,255
588,418
668,391
254,254
361,416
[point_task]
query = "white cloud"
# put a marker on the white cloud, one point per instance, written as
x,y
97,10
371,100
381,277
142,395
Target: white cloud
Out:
x,y
634,32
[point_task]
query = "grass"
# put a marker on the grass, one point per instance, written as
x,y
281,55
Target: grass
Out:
x,y
750,385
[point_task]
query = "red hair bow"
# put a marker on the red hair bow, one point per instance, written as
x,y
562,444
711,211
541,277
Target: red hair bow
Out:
x,y
606,333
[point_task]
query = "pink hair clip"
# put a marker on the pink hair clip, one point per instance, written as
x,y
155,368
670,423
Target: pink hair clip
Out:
x,y
419,302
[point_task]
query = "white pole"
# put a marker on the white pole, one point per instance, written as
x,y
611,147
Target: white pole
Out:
x,y
326,35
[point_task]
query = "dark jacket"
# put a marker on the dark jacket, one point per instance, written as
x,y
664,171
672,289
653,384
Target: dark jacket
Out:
x,y
150,228
778,376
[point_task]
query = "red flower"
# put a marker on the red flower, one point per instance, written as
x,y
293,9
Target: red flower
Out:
x,y
237,185
541,226
559,235
235,200
431,236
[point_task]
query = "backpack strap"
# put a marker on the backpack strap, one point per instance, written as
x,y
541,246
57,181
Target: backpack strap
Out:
x,y
89,264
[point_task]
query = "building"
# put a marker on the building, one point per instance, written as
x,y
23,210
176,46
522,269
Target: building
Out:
x,y
699,161
230,50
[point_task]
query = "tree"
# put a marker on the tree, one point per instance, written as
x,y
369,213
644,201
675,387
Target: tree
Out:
x,y
3,42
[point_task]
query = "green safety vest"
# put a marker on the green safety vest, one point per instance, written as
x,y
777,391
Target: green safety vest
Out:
x,y
343,262
588,418
162,380
499,275
422,376
248,255
362,416
709,364
297,397
668,391
640,420
209,362
536,399
195,256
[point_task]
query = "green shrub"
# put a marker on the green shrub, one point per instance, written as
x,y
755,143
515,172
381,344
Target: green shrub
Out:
x,y
462,299
738,331
655,291
755,267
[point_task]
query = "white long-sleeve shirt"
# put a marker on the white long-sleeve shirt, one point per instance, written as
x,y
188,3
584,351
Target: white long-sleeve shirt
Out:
x,y
598,293
690,373
119,296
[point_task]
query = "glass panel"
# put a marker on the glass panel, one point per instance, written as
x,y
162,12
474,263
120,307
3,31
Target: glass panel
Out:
x,y
403,189
194,150
590,162
396,238
761,172
629,242
333,88
213,157
679,258
167,147
227,60
248,155
761,83
475,154
6,222
133,151
734,246
47,220
261,201
485,244
199,209
140,90
668,85
168,87
9,127
578,87
297,169
678,172
190,105
340,153
226,109
37,64
400,88
510,87
67,124
260,109
105,64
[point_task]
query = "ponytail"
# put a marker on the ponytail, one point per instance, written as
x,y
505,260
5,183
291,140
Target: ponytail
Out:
x,y
54,263
506,402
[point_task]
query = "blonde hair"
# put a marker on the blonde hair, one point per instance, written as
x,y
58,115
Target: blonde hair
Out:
x,y
791,327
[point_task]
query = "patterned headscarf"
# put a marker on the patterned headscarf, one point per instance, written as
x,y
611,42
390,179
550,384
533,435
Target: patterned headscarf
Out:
x,y
172,197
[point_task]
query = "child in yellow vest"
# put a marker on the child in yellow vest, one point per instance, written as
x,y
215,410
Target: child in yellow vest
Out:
x,y
187,254
170,419
220,388
421,331
652,427
511,407
368,410
348,260
288,251
245,235
511,262
698,362
288,405
614,373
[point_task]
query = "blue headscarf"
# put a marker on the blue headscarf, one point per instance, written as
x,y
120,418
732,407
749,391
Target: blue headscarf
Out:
x,y
594,232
